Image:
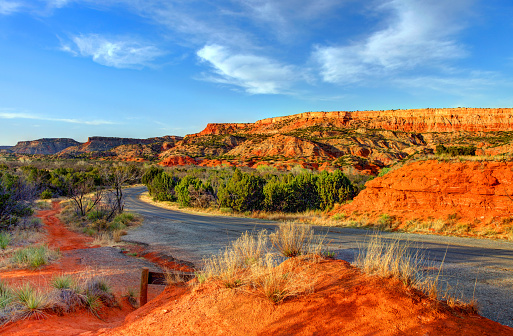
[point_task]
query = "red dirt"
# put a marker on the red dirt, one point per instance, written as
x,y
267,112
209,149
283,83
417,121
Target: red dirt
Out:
x,y
471,190
344,302
59,237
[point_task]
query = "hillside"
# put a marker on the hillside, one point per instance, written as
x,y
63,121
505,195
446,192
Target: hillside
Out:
x,y
343,302
47,146
365,140
476,194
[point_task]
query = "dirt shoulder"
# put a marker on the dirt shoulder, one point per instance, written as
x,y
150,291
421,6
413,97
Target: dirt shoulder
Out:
x,y
81,259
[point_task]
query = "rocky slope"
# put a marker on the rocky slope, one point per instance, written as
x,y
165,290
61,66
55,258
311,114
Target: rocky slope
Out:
x,y
367,140
472,192
43,146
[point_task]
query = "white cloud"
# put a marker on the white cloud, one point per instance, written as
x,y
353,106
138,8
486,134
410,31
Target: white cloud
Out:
x,y
118,53
10,114
256,74
418,33
9,7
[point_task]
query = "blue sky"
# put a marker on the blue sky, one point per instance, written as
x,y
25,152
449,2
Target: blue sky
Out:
x,y
145,68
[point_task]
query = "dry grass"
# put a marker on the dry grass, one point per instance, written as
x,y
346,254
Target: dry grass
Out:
x,y
392,258
252,261
280,281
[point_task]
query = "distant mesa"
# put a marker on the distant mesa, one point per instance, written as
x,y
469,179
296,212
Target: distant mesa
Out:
x,y
47,146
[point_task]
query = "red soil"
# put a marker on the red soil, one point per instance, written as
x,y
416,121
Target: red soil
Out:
x,y
473,191
344,302
59,237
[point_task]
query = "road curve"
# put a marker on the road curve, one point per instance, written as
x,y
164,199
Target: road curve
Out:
x,y
192,237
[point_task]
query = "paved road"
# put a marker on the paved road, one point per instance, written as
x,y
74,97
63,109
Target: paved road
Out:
x,y
191,237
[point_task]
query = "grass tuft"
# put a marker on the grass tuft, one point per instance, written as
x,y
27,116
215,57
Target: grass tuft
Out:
x,y
33,256
5,239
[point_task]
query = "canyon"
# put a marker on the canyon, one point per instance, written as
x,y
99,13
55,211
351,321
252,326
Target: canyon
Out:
x,y
364,140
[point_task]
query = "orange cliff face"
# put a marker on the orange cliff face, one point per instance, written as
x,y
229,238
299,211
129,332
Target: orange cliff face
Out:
x,y
474,191
413,120
220,129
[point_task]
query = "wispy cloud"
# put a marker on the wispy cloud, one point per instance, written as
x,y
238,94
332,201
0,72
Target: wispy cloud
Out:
x,y
114,52
417,33
287,17
255,74
470,83
10,114
9,7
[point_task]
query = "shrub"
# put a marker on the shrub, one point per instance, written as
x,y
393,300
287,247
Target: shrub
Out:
x,y
46,194
455,150
243,192
33,256
334,188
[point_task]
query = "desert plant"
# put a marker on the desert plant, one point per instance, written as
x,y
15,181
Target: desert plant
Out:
x,y
64,281
130,296
33,302
5,239
279,281
291,239
33,256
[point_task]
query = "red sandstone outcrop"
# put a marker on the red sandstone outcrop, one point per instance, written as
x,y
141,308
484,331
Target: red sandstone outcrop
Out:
x,y
414,120
179,161
281,146
473,190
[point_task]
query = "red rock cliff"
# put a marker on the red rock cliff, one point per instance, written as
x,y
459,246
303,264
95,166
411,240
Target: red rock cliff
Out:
x,y
473,190
414,120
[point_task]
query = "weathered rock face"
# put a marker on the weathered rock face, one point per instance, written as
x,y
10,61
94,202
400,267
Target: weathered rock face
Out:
x,y
281,146
43,146
414,120
473,190
131,146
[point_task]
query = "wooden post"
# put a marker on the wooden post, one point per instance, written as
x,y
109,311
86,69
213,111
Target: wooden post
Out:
x,y
143,294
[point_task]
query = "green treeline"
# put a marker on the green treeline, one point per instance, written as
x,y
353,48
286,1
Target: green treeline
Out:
x,y
455,150
243,191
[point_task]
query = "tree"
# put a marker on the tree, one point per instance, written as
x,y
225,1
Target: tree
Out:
x,y
78,189
117,178
334,188
16,195
242,192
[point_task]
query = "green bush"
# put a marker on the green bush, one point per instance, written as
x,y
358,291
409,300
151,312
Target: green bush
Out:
x,y
160,184
46,194
455,150
334,188
243,192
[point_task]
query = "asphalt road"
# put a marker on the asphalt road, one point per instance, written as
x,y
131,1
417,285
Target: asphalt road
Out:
x,y
486,265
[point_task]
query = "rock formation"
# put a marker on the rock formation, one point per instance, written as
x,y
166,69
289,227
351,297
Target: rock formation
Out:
x,y
475,191
43,146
